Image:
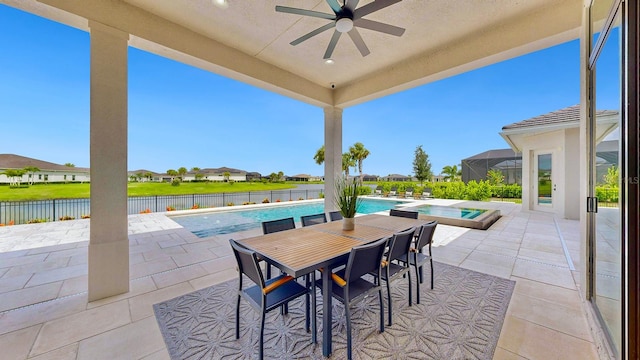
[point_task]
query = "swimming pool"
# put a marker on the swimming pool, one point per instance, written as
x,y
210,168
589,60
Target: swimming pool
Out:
x,y
480,219
452,212
226,222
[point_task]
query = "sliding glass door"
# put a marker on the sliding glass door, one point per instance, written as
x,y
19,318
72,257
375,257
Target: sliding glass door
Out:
x,y
605,155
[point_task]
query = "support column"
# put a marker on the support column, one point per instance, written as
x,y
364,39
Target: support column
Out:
x,y
332,154
108,241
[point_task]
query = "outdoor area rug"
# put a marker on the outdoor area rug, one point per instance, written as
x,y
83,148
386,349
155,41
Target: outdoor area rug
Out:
x,y
460,318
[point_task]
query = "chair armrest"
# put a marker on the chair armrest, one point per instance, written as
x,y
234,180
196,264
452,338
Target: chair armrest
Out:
x,y
274,285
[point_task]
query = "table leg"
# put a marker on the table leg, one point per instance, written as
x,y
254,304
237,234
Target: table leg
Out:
x,y
326,311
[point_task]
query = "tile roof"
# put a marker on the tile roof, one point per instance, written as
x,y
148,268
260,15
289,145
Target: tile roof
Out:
x,y
12,161
563,116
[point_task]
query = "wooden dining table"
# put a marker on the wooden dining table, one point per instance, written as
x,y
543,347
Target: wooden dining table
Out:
x,y
301,251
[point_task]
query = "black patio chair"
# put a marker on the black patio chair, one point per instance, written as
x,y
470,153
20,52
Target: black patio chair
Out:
x,y
267,295
349,286
418,258
396,264
404,213
335,215
314,219
272,226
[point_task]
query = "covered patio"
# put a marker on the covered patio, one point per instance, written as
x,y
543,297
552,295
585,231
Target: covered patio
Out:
x,y
45,312
110,279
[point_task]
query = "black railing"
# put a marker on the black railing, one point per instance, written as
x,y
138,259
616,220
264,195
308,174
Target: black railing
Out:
x,y
25,212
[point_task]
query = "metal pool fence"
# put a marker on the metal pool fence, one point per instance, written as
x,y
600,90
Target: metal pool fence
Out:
x,y
24,212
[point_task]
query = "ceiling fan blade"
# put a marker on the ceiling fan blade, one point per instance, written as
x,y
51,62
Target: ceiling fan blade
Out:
x,y
374,6
332,44
317,14
378,26
357,39
313,33
352,5
335,6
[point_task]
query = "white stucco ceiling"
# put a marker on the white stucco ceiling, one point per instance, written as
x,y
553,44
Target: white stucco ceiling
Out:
x,y
249,40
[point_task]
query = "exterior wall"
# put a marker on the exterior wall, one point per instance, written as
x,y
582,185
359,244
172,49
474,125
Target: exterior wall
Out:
x,y
572,173
221,178
51,176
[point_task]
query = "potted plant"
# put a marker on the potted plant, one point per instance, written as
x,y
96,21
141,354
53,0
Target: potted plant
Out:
x,y
347,200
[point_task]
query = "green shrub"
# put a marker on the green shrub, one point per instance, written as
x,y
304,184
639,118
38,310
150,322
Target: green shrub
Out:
x,y
175,182
449,190
607,194
364,190
478,190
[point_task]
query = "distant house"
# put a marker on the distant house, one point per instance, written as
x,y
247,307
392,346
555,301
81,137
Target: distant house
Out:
x,y
218,174
367,177
299,177
254,176
49,172
143,175
437,178
396,177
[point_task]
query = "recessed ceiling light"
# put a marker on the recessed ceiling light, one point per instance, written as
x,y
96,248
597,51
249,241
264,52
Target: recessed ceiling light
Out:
x,y
223,4
329,61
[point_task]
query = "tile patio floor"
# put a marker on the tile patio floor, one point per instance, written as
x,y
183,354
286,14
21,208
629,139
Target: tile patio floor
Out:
x,y
44,312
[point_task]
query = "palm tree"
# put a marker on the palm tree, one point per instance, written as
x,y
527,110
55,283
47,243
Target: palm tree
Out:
x,y
14,175
139,176
148,175
182,171
69,165
358,154
226,175
31,170
347,162
451,173
319,156
172,173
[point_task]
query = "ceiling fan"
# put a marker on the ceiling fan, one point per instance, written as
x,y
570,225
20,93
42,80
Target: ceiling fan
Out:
x,y
345,19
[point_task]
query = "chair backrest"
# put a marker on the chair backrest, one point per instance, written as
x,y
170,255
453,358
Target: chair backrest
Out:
x,y
247,263
425,234
404,213
399,245
364,259
426,191
313,219
272,226
335,215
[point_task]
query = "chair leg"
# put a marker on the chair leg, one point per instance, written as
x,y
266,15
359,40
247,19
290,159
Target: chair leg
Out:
x,y
431,261
261,354
409,276
381,311
238,318
417,284
389,300
348,316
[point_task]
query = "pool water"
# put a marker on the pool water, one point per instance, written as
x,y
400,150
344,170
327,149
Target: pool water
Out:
x,y
216,223
452,212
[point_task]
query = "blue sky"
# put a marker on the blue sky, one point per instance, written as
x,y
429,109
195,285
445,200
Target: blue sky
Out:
x,y
184,116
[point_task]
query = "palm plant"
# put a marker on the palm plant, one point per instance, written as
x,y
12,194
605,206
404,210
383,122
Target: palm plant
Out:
x,y
347,162
347,199
319,156
31,170
182,171
451,173
358,154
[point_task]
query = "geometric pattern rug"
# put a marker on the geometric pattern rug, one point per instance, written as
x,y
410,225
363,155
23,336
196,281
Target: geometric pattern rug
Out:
x,y
460,318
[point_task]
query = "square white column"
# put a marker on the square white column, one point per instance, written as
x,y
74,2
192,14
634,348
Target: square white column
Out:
x,y
108,240
332,154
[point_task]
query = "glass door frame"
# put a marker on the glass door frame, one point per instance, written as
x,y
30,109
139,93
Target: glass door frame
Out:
x,y
536,181
629,170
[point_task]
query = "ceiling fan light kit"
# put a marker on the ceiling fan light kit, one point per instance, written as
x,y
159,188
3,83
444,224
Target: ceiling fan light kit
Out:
x,y
346,18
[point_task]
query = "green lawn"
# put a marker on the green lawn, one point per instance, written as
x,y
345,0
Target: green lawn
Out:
x,y
75,191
